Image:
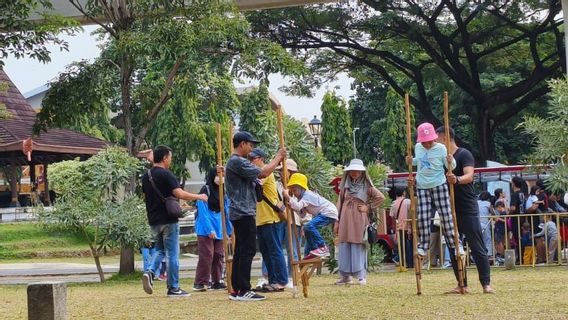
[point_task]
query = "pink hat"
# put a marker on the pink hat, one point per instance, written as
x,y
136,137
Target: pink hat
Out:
x,y
426,132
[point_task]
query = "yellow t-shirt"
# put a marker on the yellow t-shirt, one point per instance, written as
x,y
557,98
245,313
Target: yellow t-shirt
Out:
x,y
264,213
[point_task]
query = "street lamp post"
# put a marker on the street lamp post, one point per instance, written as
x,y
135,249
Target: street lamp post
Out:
x,y
315,129
354,144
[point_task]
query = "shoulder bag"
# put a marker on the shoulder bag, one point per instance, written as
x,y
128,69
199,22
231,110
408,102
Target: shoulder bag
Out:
x,y
172,203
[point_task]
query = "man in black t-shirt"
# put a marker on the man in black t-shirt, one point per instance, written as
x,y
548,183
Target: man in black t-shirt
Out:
x,y
516,207
467,212
165,228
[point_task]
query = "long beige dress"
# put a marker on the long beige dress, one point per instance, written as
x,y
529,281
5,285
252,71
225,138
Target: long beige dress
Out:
x,y
352,225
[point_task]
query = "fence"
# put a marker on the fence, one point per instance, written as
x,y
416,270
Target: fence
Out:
x,y
530,252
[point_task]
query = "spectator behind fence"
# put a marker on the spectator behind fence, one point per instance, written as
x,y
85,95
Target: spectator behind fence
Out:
x,y
499,231
485,213
527,244
550,233
517,207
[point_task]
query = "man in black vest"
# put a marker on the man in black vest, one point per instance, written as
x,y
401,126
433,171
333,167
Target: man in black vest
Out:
x,y
467,212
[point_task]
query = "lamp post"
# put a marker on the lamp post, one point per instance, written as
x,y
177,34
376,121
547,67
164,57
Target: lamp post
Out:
x,y
315,129
354,144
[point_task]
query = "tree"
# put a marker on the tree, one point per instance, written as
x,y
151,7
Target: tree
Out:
x,y
299,142
392,132
550,136
497,54
161,54
336,135
21,37
93,200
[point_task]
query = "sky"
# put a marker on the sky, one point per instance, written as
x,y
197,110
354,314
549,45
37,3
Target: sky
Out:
x,y
28,74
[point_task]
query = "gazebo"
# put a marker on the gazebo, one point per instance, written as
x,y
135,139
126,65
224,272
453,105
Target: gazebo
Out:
x,y
19,147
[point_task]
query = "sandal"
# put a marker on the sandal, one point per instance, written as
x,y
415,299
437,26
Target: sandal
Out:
x,y
267,288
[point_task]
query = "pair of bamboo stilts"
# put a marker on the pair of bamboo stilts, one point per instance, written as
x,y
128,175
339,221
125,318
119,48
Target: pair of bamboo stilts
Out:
x,y
417,259
297,270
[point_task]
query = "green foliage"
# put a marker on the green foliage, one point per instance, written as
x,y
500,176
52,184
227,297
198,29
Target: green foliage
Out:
x,y
484,53
4,112
550,135
93,196
23,38
392,131
166,81
79,100
299,142
336,134
366,110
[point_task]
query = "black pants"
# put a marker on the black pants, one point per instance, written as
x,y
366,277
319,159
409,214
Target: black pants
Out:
x,y
468,226
245,249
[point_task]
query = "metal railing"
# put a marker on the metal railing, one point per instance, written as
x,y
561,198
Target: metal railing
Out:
x,y
540,251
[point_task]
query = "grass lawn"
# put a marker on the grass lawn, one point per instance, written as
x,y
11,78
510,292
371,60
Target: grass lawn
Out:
x,y
20,241
521,294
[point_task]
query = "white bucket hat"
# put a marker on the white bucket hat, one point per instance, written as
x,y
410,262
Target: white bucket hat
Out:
x,y
355,165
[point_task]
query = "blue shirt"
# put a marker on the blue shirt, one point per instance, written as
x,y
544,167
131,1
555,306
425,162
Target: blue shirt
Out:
x,y
207,221
430,165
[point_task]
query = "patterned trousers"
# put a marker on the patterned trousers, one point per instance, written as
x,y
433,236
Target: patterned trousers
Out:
x,y
437,198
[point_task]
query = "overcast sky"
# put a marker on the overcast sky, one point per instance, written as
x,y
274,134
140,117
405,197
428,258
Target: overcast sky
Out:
x,y
28,74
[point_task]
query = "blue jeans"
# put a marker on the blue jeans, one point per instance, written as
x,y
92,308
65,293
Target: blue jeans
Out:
x,y
147,256
314,239
270,245
167,241
294,247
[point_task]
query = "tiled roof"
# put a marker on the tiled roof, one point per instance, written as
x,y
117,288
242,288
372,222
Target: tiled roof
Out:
x,y
59,143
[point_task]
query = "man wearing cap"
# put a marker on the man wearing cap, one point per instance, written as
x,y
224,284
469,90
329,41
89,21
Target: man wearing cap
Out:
x,y
270,217
467,212
240,179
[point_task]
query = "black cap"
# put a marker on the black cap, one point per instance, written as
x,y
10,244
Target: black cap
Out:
x,y
244,136
258,153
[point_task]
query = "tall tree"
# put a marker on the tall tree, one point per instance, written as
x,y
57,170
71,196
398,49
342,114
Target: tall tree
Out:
x,y
496,53
336,134
158,50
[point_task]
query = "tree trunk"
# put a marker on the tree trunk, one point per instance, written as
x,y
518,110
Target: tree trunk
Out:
x,y
98,264
126,260
127,253
485,139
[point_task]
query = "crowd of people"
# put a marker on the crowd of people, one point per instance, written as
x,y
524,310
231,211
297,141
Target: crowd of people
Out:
x,y
255,209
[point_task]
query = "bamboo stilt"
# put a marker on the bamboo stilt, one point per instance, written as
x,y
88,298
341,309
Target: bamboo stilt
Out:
x,y
228,253
452,199
417,260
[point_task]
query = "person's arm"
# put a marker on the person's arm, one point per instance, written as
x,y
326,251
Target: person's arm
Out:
x,y
296,205
377,198
466,178
269,168
184,195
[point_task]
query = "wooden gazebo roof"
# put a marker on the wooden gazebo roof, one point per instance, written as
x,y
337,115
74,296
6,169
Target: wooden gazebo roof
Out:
x,y
19,146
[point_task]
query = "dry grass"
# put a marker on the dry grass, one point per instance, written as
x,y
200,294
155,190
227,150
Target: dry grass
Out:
x,y
521,294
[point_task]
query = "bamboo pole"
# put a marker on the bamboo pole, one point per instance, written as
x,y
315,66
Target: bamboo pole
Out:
x,y
289,214
231,150
228,254
452,199
417,260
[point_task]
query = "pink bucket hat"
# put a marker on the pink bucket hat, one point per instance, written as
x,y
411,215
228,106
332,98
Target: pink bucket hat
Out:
x,y
426,132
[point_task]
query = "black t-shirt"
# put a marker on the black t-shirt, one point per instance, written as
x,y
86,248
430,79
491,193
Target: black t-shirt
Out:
x,y
466,201
166,182
518,200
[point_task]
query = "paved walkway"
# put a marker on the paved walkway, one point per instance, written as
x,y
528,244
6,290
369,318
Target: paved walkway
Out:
x,y
24,273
